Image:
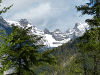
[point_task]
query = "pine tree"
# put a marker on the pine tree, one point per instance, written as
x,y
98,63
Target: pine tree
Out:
x,y
4,10
18,50
90,42
92,8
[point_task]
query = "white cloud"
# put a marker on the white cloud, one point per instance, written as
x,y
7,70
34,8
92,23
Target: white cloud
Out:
x,y
45,13
34,13
18,4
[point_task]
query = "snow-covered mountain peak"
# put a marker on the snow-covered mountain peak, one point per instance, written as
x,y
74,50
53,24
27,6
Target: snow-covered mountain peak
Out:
x,y
24,22
57,31
77,24
78,30
81,26
13,23
46,31
49,39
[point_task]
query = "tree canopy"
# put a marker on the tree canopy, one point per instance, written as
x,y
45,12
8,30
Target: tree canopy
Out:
x,y
19,50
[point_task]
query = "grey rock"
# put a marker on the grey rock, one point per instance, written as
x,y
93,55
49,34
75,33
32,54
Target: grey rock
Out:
x,y
24,22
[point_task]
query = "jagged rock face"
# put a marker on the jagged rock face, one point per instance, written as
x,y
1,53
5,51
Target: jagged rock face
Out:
x,y
58,35
49,39
76,27
4,25
24,22
78,30
46,31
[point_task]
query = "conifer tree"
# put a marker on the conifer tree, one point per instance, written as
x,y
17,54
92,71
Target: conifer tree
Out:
x,y
19,50
3,10
90,42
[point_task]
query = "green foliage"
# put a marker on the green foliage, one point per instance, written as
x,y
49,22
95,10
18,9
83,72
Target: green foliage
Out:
x,y
65,55
92,8
19,50
89,46
4,9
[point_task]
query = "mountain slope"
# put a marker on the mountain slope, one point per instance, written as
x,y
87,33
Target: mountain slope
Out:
x,y
49,39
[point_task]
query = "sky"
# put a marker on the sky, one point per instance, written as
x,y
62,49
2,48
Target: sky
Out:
x,y
50,14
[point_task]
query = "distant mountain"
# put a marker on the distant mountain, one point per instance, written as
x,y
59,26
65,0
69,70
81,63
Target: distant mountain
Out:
x,y
50,39
46,31
58,35
78,30
4,25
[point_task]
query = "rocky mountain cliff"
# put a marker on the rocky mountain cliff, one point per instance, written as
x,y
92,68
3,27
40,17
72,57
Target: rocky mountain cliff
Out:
x,y
50,39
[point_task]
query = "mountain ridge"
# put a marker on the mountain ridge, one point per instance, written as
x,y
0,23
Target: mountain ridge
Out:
x,y
50,39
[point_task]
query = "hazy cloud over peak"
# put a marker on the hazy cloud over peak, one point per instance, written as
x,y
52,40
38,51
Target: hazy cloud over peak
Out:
x,y
50,14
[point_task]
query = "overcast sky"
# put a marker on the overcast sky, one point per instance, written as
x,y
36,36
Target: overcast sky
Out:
x,y
51,14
